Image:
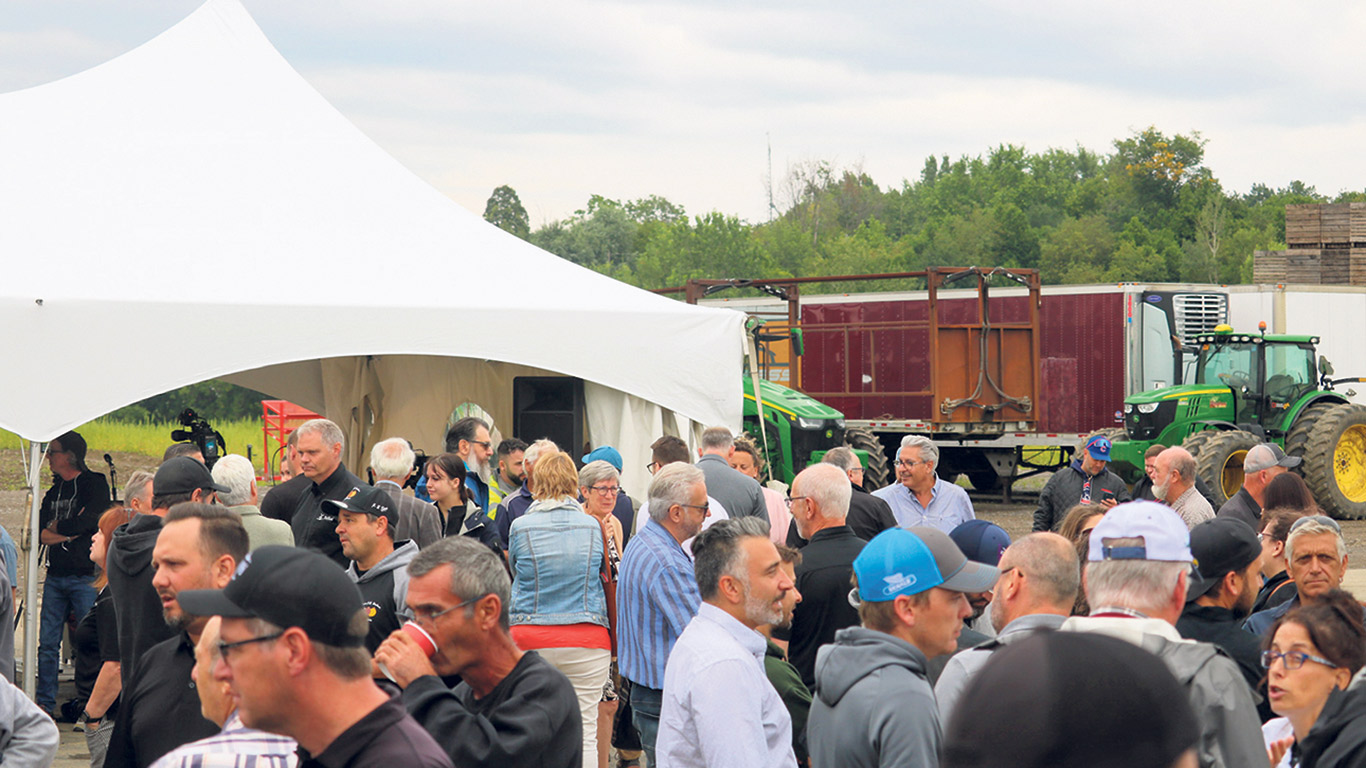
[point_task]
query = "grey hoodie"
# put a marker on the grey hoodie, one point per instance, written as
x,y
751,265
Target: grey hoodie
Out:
x,y
384,589
873,707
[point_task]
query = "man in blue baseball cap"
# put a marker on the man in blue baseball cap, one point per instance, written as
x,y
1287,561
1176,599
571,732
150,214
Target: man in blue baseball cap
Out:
x,y
1085,481
873,704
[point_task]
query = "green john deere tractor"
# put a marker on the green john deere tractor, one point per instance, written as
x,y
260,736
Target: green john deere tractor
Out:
x,y
799,430
1248,389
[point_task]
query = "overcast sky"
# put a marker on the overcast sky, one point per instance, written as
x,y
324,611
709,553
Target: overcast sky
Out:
x,y
565,99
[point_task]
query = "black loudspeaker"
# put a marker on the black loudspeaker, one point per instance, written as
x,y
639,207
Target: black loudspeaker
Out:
x,y
550,406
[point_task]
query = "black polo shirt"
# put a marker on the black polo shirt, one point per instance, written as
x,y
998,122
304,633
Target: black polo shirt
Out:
x,y
868,516
386,738
315,527
282,501
823,579
160,710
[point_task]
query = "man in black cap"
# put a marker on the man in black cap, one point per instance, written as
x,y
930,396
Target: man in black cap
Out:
x,y
1228,558
1072,701
197,547
69,516
293,651
320,449
130,568
365,525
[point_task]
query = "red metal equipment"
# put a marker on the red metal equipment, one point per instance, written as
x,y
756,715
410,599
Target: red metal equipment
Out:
x,y
278,419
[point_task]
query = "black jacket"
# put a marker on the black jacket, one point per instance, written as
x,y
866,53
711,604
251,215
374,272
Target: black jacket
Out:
x,y
1211,624
1338,738
136,604
76,505
316,528
868,516
1064,490
1276,590
823,581
1241,506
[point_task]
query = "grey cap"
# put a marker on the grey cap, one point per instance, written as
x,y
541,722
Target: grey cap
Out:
x,y
1266,456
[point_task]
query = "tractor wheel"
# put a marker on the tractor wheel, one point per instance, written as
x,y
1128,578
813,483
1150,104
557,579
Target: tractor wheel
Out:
x,y
1113,434
1297,439
1335,461
878,472
1195,442
1220,462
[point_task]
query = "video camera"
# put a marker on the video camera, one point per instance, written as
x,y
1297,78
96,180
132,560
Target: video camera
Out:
x,y
199,432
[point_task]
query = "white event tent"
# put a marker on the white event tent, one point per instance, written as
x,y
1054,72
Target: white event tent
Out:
x,y
194,209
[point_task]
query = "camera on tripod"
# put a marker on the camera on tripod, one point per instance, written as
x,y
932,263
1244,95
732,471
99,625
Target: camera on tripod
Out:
x,y
198,431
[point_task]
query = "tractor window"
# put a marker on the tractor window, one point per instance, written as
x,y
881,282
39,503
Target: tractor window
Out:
x,y
1289,367
1228,365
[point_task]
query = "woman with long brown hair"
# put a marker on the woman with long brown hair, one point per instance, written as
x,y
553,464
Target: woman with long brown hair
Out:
x,y
98,678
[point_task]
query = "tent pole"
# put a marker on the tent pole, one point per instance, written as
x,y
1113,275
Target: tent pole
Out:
x,y
758,399
35,465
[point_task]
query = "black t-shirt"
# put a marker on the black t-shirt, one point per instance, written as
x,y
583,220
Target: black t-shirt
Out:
x,y
76,505
161,708
97,641
282,501
823,580
315,527
385,738
530,719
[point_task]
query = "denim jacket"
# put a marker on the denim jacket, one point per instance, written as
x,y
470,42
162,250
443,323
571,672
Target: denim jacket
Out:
x,y
555,551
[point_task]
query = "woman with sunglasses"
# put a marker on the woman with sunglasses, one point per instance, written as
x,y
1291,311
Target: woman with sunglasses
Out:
x,y
1313,651
558,606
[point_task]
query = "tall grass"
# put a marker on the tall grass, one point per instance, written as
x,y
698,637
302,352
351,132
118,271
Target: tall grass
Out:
x,y
150,438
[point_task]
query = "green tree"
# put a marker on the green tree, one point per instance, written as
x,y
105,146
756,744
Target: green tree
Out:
x,y
1078,251
504,210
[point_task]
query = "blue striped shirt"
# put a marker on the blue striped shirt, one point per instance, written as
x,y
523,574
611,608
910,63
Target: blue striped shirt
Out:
x,y
236,746
656,598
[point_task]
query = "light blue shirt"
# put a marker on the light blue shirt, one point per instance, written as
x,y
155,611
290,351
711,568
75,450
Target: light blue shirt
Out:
x,y
949,507
719,708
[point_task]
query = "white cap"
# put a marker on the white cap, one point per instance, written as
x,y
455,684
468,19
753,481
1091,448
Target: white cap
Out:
x,y
1165,535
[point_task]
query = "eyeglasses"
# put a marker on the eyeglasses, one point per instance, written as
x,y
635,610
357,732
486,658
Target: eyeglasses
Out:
x,y
1293,659
703,507
653,467
429,617
909,464
486,445
793,500
223,647
605,490
1004,571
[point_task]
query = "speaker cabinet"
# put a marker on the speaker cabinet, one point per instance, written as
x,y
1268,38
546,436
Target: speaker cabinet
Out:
x,y
550,406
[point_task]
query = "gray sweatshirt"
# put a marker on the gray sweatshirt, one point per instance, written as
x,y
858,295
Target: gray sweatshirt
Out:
x,y
873,707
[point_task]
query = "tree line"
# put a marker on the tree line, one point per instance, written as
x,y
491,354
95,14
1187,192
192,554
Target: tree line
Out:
x,y
1149,210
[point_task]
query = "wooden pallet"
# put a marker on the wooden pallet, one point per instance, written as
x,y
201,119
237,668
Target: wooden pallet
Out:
x,y
1328,224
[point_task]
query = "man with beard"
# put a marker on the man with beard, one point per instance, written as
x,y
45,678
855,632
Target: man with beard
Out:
x,y
469,439
1174,483
1230,559
199,547
510,474
719,709
1037,585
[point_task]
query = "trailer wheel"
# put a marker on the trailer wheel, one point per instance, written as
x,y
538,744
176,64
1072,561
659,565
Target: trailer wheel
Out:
x,y
1335,461
1220,462
878,472
986,480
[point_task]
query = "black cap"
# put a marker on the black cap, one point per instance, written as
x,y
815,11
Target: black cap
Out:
x,y
288,587
1220,546
74,444
366,500
1073,700
183,474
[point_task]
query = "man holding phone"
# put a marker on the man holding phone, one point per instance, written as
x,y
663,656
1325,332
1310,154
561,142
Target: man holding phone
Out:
x,y
1085,481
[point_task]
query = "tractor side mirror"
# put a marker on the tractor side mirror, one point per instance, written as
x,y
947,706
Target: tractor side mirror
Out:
x,y
797,346
1325,367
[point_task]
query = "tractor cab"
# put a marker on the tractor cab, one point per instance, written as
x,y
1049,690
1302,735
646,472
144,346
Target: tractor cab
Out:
x,y
1266,374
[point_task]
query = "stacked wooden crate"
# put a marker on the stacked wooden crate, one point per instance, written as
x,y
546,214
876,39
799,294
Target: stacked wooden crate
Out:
x,y
1325,245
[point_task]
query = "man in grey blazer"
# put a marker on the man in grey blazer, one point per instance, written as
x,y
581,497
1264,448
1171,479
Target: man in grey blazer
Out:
x,y
392,462
739,494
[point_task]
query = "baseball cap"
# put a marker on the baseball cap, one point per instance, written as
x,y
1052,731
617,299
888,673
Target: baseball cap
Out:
x,y
1165,536
366,500
908,561
288,587
183,474
74,444
1073,700
1099,448
1259,457
981,541
1220,546
606,453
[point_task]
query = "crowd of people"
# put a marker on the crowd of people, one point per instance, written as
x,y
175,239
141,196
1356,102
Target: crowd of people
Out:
x,y
517,608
